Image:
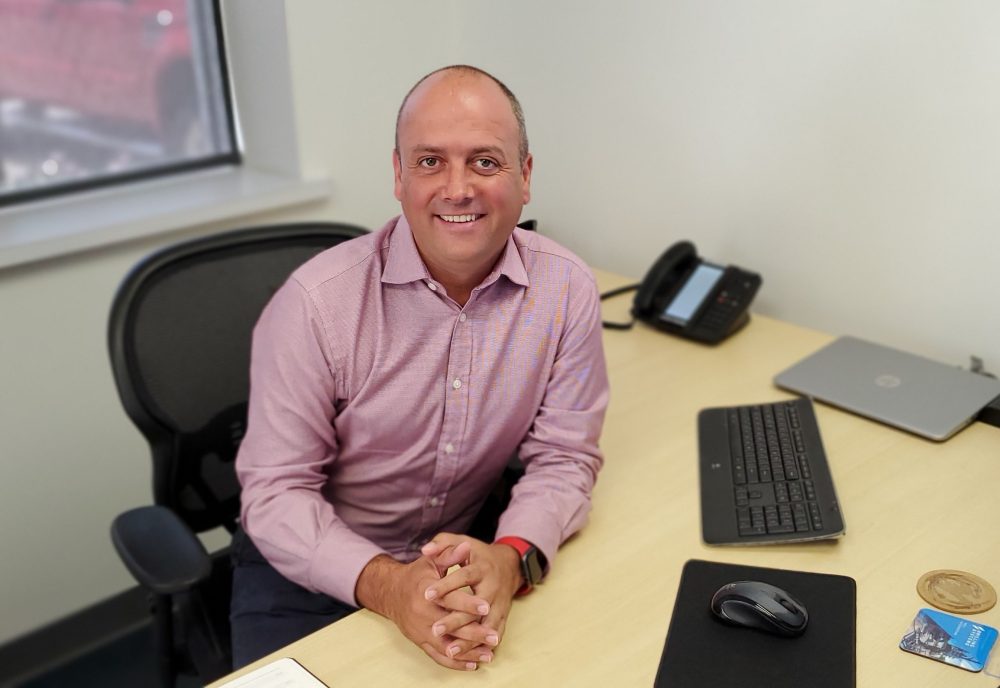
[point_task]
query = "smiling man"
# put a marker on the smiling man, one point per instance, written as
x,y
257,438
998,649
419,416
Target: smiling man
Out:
x,y
392,378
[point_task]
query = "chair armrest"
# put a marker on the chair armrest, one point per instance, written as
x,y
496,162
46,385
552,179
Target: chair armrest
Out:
x,y
159,550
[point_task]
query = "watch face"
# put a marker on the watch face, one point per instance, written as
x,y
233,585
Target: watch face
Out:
x,y
532,567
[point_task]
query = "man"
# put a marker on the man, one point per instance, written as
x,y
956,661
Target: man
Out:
x,y
394,375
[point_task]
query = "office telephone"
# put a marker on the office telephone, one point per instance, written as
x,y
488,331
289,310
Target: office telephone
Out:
x,y
687,296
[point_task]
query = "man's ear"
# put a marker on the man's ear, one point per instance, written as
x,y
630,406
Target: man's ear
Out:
x,y
526,178
397,168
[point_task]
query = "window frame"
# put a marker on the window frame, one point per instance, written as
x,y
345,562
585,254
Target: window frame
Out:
x,y
233,157
270,177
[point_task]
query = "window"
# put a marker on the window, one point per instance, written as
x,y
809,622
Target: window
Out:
x,y
96,92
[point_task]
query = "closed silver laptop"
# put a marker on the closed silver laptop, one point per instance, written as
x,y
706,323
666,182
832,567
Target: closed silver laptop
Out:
x,y
917,394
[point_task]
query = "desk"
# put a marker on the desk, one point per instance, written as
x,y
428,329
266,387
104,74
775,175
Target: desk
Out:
x,y
601,617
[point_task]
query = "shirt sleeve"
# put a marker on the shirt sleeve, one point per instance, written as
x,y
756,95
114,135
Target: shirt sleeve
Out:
x,y
289,448
560,453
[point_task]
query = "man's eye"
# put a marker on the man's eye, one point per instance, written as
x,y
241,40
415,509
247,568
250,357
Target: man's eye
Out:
x,y
428,162
486,164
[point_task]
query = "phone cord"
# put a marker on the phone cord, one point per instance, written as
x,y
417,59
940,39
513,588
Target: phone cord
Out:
x,y
615,292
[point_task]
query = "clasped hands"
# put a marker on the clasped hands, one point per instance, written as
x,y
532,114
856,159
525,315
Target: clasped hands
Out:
x,y
456,618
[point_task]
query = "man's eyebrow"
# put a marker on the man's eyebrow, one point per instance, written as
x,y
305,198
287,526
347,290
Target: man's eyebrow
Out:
x,y
492,150
427,149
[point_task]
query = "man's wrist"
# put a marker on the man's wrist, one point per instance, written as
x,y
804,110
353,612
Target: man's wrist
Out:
x,y
374,584
531,562
512,564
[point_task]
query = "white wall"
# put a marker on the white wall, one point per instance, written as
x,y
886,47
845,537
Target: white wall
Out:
x,y
848,151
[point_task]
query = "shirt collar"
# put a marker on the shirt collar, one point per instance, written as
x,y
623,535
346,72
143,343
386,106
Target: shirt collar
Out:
x,y
403,263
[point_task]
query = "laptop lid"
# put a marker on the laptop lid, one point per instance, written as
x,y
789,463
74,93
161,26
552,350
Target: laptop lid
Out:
x,y
917,394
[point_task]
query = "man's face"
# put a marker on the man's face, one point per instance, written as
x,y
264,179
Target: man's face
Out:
x,y
458,176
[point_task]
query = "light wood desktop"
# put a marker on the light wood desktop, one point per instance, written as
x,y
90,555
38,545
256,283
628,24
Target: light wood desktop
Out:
x,y
601,617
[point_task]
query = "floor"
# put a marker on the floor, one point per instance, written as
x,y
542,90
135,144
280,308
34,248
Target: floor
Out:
x,y
127,662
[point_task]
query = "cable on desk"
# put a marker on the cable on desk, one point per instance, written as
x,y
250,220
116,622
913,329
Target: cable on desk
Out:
x,y
615,292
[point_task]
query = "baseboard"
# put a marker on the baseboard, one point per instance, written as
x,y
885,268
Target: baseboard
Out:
x,y
63,640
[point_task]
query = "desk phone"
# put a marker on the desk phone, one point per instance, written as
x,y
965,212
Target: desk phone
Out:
x,y
690,297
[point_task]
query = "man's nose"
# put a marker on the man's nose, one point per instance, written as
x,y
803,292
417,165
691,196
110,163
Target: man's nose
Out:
x,y
458,185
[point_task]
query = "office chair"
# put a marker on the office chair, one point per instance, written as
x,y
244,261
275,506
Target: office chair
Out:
x,y
179,337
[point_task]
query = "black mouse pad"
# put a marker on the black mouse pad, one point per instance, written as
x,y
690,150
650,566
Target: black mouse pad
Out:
x,y
703,652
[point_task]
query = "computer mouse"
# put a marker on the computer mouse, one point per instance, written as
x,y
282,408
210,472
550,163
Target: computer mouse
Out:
x,y
763,606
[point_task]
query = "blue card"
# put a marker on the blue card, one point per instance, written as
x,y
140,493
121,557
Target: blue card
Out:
x,y
949,639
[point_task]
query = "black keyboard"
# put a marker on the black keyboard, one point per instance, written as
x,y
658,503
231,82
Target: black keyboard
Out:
x,y
764,475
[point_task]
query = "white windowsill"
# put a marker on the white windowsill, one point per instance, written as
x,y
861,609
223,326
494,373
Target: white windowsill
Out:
x,y
45,229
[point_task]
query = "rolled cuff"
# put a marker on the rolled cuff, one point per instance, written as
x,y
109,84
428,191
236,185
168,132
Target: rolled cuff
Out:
x,y
547,540
338,561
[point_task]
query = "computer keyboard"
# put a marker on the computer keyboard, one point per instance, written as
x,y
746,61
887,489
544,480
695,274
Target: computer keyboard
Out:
x,y
764,475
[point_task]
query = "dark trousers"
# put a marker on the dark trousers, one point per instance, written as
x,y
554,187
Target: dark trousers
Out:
x,y
267,611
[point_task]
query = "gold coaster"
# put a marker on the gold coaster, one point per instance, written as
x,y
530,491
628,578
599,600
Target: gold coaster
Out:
x,y
956,591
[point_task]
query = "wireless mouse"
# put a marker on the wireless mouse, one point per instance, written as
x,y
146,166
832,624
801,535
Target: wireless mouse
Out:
x,y
763,606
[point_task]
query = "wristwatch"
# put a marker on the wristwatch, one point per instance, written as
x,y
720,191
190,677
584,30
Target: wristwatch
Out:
x,y
532,562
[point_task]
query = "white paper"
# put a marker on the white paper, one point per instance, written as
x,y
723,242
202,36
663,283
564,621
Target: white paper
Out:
x,y
281,673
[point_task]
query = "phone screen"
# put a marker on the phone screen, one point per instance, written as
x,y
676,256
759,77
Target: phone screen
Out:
x,y
691,295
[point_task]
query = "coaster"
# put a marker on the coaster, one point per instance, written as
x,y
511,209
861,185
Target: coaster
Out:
x,y
956,591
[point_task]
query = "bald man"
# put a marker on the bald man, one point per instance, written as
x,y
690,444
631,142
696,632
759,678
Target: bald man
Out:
x,y
393,376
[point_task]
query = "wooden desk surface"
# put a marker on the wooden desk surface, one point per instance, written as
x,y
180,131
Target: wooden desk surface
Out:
x,y
601,617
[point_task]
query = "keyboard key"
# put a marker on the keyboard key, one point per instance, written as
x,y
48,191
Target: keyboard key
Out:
x,y
817,517
739,474
791,470
742,498
797,441
749,522
804,466
800,517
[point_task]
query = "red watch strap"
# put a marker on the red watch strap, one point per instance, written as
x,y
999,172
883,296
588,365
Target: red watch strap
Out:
x,y
522,546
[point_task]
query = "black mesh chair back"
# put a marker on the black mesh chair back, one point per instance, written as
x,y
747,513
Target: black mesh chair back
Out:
x,y
179,338
180,333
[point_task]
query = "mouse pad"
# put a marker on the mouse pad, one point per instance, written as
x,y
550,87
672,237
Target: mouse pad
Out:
x,y
703,652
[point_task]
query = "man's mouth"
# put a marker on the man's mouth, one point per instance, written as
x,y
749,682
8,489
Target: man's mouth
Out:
x,y
460,218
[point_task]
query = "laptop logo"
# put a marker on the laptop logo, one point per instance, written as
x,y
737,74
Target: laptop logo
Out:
x,y
888,381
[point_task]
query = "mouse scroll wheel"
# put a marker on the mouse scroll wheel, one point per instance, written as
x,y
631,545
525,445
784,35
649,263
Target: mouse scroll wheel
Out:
x,y
787,604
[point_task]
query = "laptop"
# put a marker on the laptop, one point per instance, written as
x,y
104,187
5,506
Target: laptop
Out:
x,y
916,394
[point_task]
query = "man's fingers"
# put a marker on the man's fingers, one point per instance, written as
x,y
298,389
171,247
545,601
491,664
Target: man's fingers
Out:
x,y
461,626
448,662
456,580
496,619
451,622
465,650
462,601
477,654
442,541
444,557
478,633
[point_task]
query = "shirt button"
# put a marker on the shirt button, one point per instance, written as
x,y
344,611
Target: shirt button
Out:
x,y
462,317
457,383
432,286
433,501
449,448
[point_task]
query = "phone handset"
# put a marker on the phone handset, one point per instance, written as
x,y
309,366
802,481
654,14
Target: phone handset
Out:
x,y
666,271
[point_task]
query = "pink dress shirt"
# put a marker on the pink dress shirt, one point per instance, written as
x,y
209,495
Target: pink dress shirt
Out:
x,y
382,412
